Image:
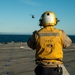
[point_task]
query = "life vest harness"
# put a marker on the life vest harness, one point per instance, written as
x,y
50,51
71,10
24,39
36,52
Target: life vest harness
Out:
x,y
44,60
48,64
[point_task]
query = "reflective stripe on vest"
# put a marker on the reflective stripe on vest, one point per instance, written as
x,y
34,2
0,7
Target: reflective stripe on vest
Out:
x,y
49,34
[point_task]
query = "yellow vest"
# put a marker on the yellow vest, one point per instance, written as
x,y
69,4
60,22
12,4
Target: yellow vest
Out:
x,y
49,44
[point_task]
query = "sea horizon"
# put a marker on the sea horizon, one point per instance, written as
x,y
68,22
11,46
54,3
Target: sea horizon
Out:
x,y
5,38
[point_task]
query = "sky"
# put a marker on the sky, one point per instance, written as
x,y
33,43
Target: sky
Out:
x,y
16,15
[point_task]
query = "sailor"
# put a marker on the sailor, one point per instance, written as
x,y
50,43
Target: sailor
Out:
x,y
49,43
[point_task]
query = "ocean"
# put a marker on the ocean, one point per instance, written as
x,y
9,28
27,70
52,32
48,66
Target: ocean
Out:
x,y
5,38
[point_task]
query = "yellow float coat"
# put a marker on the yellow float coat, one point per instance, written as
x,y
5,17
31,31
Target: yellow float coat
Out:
x,y
49,44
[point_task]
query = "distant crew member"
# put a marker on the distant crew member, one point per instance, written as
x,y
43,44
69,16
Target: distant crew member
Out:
x,y
49,43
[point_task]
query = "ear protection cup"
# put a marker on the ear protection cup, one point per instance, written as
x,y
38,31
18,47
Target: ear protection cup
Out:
x,y
40,22
57,21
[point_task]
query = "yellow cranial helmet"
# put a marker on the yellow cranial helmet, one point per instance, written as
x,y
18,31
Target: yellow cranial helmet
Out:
x,y
48,18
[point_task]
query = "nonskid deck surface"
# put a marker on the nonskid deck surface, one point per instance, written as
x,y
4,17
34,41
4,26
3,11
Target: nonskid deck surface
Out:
x,y
18,59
